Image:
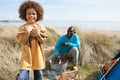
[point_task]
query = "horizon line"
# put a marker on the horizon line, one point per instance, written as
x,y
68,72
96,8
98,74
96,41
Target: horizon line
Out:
x,y
54,20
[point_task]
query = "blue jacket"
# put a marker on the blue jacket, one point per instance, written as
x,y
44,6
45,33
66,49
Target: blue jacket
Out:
x,y
72,42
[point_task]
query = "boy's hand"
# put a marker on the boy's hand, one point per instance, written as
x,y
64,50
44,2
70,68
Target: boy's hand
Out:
x,y
27,34
29,29
36,31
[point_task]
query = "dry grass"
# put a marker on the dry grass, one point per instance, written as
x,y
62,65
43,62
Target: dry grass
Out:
x,y
9,53
98,45
96,48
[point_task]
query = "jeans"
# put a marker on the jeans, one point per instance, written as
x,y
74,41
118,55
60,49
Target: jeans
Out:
x,y
24,75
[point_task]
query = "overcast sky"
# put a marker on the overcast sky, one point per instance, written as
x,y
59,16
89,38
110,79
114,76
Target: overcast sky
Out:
x,y
77,10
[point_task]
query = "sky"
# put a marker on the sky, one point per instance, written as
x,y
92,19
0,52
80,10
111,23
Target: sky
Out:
x,y
76,10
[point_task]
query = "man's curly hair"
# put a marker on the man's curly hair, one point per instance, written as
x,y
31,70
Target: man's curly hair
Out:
x,y
31,4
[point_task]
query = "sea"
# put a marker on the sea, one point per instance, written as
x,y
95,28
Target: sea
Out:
x,y
96,25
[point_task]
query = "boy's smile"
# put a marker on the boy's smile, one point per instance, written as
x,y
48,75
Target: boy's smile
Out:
x,y
31,15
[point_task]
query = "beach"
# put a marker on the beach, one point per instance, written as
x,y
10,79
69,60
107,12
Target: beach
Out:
x,y
97,46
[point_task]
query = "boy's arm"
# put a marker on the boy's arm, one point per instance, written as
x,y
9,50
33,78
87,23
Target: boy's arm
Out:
x,y
41,33
23,34
25,38
37,34
20,33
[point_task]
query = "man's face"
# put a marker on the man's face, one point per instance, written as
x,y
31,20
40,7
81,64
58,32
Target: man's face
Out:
x,y
70,32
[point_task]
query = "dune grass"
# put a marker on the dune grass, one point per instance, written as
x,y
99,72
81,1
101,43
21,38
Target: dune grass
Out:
x,y
96,48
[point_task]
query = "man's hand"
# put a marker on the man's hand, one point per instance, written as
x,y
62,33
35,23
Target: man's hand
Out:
x,y
58,57
64,44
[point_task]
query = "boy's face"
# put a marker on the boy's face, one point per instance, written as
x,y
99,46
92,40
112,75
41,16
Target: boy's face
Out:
x,y
31,15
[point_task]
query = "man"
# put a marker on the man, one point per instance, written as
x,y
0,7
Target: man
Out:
x,y
68,45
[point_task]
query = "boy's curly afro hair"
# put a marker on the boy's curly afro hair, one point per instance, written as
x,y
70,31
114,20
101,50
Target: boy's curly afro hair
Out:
x,y
31,4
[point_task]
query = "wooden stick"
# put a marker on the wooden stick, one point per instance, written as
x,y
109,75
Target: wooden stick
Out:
x,y
77,75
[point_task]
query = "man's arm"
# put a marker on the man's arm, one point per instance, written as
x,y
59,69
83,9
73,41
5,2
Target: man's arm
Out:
x,y
76,41
57,46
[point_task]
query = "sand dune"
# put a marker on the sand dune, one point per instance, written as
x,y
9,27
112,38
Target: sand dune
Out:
x,y
96,47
